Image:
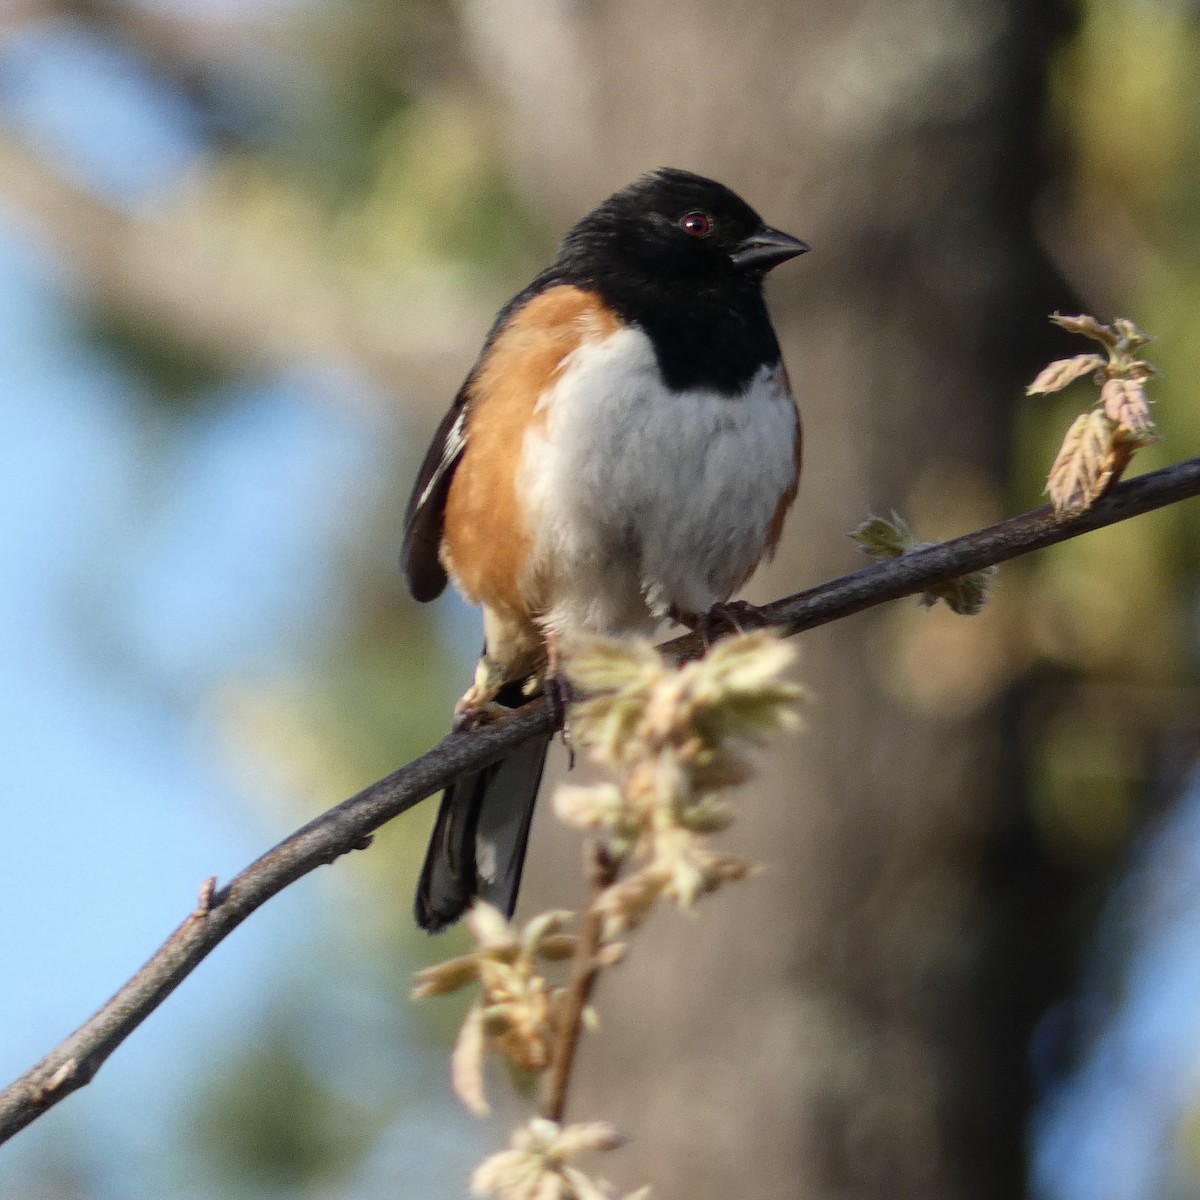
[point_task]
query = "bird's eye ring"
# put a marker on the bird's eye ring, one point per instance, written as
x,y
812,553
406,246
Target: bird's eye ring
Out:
x,y
696,223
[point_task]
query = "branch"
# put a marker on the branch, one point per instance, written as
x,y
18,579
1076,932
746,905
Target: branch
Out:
x,y
585,966
349,825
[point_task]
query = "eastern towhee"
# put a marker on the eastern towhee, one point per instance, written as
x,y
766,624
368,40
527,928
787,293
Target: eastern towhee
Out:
x,y
625,449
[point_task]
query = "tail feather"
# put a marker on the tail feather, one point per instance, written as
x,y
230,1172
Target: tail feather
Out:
x,y
479,838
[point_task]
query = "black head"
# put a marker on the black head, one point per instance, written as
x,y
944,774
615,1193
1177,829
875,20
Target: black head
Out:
x,y
683,257
677,230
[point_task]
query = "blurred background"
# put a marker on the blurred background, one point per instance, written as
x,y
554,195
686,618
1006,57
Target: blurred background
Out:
x,y
247,253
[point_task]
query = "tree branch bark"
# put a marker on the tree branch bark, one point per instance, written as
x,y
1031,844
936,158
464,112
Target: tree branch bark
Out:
x,y
349,825
585,968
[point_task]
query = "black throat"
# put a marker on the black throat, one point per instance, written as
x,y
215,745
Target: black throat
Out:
x,y
711,336
716,342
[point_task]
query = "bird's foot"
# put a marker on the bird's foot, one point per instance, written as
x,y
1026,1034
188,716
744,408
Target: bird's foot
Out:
x,y
477,715
477,705
560,695
732,616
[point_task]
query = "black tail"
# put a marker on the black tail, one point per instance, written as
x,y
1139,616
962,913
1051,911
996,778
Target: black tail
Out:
x,y
479,838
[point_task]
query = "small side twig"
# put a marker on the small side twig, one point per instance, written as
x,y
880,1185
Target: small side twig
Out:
x,y
208,889
603,869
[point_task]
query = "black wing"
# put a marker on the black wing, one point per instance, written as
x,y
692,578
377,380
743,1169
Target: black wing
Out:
x,y
426,514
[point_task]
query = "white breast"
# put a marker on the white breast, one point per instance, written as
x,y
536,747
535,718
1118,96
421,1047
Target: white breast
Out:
x,y
642,498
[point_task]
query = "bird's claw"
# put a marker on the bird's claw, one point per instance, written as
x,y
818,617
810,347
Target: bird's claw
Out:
x,y
472,716
729,617
560,695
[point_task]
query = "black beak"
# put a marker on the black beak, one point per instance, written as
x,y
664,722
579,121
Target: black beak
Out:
x,y
766,249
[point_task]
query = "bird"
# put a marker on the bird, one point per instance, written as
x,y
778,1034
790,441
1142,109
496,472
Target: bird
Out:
x,y
624,451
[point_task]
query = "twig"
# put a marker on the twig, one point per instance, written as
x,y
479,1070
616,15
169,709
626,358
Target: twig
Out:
x,y
985,547
585,967
75,1061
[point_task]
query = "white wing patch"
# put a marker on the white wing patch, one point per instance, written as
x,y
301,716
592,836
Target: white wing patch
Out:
x,y
456,442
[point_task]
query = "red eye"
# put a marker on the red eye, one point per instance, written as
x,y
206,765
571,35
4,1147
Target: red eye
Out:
x,y
698,224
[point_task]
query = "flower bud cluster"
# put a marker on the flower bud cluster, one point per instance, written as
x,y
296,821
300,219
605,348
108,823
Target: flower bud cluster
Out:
x,y
538,1166
1101,442
515,1013
674,737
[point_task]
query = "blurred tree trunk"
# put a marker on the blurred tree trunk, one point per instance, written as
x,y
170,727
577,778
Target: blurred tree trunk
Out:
x,y
854,1022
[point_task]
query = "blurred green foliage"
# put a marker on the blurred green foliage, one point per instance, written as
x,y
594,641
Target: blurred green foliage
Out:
x,y
1109,613
176,373
268,1120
